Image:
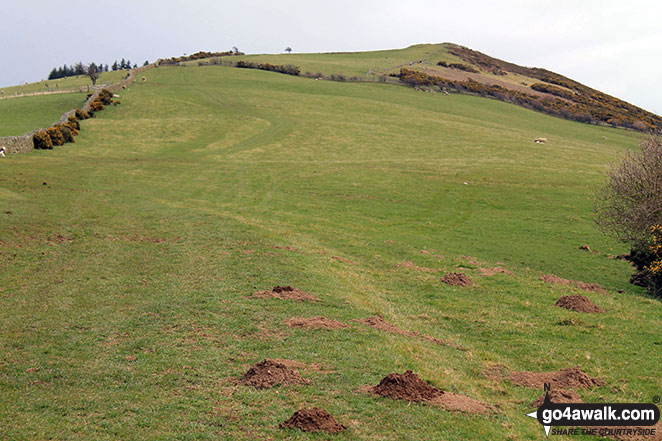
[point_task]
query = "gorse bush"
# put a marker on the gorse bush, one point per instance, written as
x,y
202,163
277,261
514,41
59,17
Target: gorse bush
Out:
x,y
287,69
56,136
66,132
654,268
630,208
81,115
42,140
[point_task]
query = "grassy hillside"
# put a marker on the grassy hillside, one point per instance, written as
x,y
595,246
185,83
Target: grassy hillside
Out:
x,y
451,67
69,83
24,114
129,258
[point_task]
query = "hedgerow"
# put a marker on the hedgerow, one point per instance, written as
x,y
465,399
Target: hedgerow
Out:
x,y
287,69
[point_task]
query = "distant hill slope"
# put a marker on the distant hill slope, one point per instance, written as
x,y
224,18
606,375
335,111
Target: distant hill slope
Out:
x,y
454,68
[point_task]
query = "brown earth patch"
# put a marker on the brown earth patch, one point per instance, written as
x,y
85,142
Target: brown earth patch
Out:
x,y
591,287
60,239
558,396
409,387
588,287
270,373
288,248
471,260
343,260
457,279
313,420
294,364
569,378
551,278
378,322
286,293
579,303
412,265
315,323
495,270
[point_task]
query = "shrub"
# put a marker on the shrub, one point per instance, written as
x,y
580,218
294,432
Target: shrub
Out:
x,y
66,132
41,140
81,115
630,206
72,128
105,97
338,77
56,135
96,106
75,125
653,270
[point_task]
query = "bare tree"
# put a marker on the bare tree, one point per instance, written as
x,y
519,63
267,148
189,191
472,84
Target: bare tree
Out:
x,y
631,202
93,72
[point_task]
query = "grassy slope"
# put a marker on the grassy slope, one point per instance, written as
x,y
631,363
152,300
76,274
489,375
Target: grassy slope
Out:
x,y
175,200
63,83
360,64
24,114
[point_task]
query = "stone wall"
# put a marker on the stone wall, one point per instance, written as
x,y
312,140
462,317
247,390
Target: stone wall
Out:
x,y
24,143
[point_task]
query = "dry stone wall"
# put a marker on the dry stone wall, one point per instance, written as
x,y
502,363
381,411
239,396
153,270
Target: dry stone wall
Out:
x,y
24,143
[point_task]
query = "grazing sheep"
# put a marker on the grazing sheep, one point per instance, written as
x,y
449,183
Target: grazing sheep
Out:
x,y
540,140
144,79
2,151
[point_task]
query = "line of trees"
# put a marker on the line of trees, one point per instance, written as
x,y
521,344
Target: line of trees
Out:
x,y
82,69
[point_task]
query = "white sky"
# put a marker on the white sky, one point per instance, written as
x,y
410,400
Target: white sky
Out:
x,y
612,46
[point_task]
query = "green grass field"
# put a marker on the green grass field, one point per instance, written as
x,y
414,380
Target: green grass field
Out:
x,y
68,83
128,259
24,114
363,65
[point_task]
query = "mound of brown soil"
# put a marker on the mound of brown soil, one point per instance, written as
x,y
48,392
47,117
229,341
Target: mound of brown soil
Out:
x,y
551,278
269,373
286,293
588,287
457,279
313,420
579,303
496,270
377,322
591,287
558,396
569,378
409,387
412,265
315,322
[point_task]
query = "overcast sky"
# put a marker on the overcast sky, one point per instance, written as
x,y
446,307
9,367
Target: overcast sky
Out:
x,y
613,46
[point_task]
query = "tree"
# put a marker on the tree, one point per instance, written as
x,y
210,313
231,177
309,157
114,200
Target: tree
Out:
x,y
630,206
92,71
288,50
234,50
123,64
146,63
53,74
79,68
115,66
